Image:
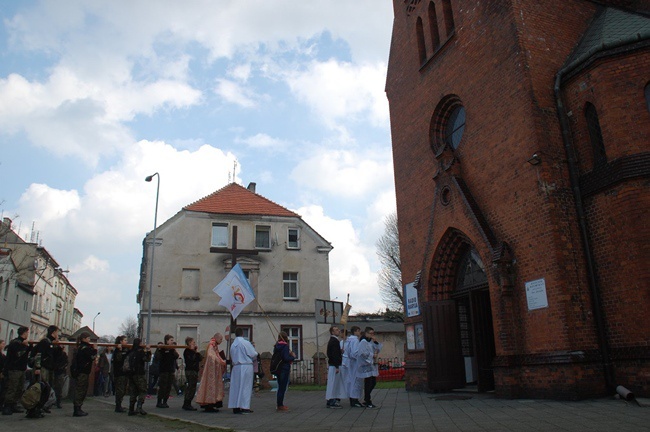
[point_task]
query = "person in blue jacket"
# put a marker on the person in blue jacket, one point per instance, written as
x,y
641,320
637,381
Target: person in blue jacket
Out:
x,y
288,357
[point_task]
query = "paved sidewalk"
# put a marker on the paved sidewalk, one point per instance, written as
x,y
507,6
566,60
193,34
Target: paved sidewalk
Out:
x,y
399,411
412,411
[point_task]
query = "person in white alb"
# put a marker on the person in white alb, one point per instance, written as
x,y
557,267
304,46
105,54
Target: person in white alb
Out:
x,y
242,354
367,370
350,353
335,386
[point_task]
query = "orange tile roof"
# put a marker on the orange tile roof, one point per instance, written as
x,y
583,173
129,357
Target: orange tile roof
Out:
x,y
236,199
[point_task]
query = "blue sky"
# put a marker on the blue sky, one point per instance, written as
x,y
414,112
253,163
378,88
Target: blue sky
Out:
x,y
94,96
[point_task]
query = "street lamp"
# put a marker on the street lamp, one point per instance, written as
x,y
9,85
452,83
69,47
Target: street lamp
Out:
x,y
94,321
153,250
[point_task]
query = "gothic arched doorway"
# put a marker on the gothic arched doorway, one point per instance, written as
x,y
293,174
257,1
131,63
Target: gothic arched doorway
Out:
x,y
458,321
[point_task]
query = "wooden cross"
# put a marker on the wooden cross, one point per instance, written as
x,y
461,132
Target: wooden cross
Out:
x,y
233,253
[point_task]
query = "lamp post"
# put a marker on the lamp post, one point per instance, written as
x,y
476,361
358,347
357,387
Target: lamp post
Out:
x,y
94,321
153,250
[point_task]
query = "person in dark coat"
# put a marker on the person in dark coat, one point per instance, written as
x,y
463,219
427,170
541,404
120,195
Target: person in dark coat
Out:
x,y
192,361
288,357
335,385
121,377
84,359
168,357
14,371
43,354
139,357
3,384
60,373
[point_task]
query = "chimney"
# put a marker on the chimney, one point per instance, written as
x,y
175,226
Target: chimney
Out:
x,y
251,186
7,222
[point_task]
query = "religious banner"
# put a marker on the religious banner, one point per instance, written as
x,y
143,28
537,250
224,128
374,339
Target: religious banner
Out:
x,y
329,312
235,291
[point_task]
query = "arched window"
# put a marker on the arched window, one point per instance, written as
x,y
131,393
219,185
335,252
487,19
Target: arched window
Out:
x,y
647,96
447,124
595,135
471,272
455,127
422,48
433,27
449,17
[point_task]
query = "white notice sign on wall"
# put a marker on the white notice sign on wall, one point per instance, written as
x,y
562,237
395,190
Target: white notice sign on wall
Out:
x,y
536,294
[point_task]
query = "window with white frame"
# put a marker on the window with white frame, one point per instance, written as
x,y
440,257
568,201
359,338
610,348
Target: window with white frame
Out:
x,y
247,332
295,339
293,238
290,285
219,234
262,237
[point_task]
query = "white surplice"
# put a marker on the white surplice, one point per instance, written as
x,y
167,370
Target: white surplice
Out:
x,y
242,354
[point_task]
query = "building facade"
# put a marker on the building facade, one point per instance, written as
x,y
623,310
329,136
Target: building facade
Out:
x,y
521,144
284,259
16,300
42,292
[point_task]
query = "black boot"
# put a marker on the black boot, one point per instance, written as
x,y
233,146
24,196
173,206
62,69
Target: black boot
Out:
x,y
6,410
132,408
78,412
118,408
164,403
159,404
140,410
187,406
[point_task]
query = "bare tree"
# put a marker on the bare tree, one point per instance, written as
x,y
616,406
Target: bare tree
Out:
x,y
129,328
390,274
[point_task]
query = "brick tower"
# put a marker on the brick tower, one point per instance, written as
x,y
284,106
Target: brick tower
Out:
x,y
521,145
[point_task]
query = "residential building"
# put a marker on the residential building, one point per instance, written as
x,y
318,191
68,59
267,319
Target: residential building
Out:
x,y
35,270
521,148
15,300
285,260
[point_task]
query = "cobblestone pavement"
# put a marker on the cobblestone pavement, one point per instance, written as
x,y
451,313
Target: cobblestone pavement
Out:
x,y
399,411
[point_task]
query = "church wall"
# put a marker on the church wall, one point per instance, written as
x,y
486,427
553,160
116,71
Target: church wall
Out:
x,y
501,63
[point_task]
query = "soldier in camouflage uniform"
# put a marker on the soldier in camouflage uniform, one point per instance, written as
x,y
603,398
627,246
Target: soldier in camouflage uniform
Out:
x,y
14,371
121,378
85,356
137,379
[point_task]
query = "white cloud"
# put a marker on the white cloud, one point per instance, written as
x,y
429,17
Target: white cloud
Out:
x,y
344,173
339,91
235,93
263,141
350,269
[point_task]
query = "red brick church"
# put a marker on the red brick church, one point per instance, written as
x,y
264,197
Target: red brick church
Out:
x,y
521,144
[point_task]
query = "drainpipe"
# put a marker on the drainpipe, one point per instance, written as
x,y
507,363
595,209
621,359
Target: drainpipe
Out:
x,y
584,233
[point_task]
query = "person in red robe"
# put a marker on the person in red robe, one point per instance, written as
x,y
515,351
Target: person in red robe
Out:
x,y
211,391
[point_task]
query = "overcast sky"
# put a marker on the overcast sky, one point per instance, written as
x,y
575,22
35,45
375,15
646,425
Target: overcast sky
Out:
x,y
96,95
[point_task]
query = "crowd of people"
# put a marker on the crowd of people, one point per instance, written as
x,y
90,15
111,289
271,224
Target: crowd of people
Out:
x,y
121,370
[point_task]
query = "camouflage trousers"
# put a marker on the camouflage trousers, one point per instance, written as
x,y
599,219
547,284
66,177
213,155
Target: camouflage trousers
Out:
x,y
80,389
15,381
121,387
59,381
165,384
192,378
138,387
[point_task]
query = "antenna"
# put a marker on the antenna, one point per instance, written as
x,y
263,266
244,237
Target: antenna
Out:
x,y
234,170
32,235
